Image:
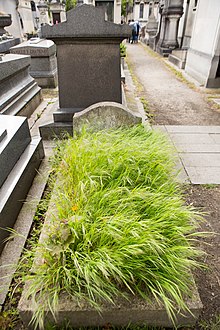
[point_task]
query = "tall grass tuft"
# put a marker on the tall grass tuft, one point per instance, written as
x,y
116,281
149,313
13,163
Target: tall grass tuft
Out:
x,y
120,224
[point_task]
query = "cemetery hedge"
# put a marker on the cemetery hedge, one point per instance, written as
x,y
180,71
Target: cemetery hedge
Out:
x,y
119,223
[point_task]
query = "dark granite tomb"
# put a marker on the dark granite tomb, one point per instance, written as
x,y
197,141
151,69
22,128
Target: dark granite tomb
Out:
x,y
88,58
20,157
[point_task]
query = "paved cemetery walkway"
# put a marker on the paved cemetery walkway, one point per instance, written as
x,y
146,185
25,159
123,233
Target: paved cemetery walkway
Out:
x,y
171,101
182,112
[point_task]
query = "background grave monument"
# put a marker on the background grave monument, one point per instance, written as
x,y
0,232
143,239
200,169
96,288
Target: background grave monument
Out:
x,y
171,12
151,28
6,41
88,58
43,66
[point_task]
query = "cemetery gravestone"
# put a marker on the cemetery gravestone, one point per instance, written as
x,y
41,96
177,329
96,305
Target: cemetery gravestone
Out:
x,y
88,58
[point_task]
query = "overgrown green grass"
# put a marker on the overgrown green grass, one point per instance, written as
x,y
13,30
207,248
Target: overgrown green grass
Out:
x,y
119,225
213,324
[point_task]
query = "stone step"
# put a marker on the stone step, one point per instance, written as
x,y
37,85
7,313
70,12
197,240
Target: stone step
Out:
x,y
16,139
18,104
15,188
13,93
19,92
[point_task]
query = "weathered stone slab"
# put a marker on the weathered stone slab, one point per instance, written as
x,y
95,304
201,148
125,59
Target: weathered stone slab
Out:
x,y
198,148
191,138
204,175
134,310
201,159
104,115
216,138
192,129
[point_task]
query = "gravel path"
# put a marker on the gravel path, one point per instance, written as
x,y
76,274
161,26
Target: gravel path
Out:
x,y
171,101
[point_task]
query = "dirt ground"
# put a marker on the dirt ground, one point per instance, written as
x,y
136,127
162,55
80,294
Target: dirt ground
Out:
x,y
207,198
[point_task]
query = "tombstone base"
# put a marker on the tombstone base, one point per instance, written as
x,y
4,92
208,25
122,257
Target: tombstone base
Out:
x,y
65,114
178,58
46,80
164,51
56,130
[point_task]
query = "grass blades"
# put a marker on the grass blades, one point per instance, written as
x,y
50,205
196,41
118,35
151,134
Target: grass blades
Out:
x,y
120,224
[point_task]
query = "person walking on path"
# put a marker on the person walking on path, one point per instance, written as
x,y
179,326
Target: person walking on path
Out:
x,y
171,100
133,32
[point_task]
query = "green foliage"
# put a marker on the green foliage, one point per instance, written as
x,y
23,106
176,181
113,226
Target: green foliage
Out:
x,y
8,319
213,324
123,49
126,7
70,4
119,224
210,185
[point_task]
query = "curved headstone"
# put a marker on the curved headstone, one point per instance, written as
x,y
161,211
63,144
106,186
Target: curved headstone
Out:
x,y
104,115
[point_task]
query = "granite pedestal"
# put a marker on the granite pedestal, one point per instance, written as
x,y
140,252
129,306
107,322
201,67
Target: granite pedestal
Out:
x,y
43,66
20,157
19,93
